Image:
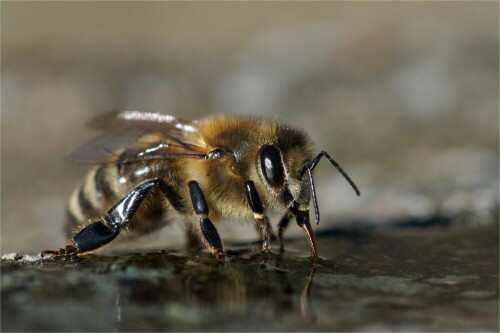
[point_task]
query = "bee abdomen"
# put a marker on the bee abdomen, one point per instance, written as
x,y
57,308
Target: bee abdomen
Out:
x,y
92,198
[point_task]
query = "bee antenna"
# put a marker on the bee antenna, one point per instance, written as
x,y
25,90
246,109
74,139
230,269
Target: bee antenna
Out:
x,y
313,191
310,167
315,162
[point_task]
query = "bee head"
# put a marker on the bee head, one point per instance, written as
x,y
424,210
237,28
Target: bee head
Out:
x,y
286,167
280,164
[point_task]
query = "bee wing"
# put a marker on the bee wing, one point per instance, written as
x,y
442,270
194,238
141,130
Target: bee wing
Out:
x,y
140,119
139,136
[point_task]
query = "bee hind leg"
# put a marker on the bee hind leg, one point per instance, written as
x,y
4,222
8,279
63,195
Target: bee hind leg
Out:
x,y
96,234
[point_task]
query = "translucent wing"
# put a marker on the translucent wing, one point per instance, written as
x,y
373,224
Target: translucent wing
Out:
x,y
145,120
137,136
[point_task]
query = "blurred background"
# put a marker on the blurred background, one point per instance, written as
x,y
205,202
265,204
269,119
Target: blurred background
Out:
x,y
403,95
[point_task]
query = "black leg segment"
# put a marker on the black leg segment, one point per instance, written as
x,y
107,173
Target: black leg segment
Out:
x,y
209,234
253,198
94,236
290,213
283,224
198,199
262,221
122,212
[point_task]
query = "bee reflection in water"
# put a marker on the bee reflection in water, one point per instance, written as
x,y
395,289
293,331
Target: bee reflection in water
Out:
x,y
246,288
240,287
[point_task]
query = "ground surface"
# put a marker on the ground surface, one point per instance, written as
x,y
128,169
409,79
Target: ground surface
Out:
x,y
433,279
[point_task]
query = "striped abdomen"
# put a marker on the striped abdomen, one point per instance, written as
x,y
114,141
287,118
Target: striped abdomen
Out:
x,y
103,187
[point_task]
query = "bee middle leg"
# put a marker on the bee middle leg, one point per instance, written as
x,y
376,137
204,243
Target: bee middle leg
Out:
x,y
209,234
262,221
101,232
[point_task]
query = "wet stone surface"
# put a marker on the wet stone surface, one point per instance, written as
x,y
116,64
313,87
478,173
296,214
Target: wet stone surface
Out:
x,y
434,279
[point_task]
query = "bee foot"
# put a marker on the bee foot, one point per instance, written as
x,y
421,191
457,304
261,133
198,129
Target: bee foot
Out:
x,y
65,251
221,256
266,247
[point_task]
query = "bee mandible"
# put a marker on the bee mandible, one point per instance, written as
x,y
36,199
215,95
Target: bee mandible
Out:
x,y
152,168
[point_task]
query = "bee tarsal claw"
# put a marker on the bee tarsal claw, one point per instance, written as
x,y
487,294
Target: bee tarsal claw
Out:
x,y
221,256
65,251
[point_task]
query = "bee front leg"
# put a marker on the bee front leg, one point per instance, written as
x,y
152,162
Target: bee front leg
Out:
x,y
301,216
262,221
99,233
210,236
283,224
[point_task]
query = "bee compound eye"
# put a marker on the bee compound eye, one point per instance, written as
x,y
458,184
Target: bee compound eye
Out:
x,y
271,165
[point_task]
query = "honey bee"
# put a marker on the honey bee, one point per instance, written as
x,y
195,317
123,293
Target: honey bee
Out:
x,y
152,168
